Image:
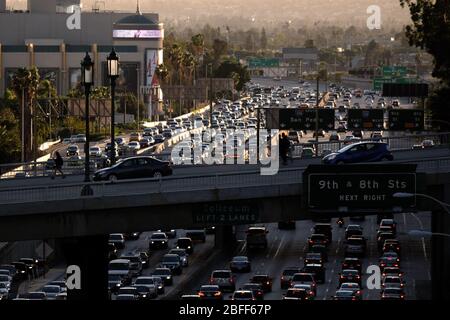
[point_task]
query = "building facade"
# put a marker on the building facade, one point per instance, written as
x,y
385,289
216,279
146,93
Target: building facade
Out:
x,y
56,42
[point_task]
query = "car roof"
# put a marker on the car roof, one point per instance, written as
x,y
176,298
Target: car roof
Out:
x,y
120,261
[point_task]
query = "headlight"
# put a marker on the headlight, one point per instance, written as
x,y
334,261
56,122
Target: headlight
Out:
x,y
189,247
153,242
168,277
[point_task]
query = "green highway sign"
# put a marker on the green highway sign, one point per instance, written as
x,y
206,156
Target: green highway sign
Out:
x,y
225,213
305,119
359,188
394,71
378,82
264,63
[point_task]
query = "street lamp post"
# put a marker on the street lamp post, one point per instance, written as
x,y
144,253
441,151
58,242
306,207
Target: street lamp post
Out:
x,y
210,94
403,195
113,74
87,80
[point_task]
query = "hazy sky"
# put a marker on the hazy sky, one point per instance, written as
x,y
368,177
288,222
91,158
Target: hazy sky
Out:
x,y
341,11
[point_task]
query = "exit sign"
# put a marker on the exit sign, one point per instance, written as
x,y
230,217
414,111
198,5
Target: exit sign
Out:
x,y
352,188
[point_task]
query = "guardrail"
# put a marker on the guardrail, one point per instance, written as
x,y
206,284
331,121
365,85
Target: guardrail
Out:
x,y
193,183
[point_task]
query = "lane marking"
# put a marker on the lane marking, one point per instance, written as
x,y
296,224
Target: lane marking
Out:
x,y
279,247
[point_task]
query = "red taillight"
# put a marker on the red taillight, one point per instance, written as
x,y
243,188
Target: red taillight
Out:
x,y
201,294
217,294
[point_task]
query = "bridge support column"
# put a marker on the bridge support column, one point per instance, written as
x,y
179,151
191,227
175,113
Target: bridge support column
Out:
x,y
90,254
440,249
225,237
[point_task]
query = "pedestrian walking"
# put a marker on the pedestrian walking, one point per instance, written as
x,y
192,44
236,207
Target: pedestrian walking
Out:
x,y
58,165
284,147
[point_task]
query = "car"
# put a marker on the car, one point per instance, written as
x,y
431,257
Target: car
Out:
x,y
263,279
304,278
134,146
122,268
224,279
240,264
382,237
129,291
287,225
376,136
392,271
5,280
135,263
135,137
210,292
316,239
112,251
317,270
256,237
319,133
390,223
350,139
392,282
12,271
132,235
183,256
150,283
256,288
51,291
80,138
297,294
391,246
197,235
427,144
35,295
334,136
171,233
158,240
389,259
128,297
358,133
352,286
95,152
22,270
135,168
322,249
185,243
353,230
72,150
117,239
313,258
145,292
392,294
385,229
286,276
360,152
308,287
325,229
4,291
345,295
355,246
165,274
145,142
307,153
115,282
349,275
172,262
32,265
352,263
244,295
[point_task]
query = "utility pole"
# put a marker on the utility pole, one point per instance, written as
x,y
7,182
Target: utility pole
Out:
x,y
22,159
317,115
210,96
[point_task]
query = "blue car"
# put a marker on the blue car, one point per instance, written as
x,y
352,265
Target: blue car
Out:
x,y
360,152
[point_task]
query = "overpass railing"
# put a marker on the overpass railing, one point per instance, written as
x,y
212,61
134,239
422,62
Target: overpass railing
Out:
x,y
195,183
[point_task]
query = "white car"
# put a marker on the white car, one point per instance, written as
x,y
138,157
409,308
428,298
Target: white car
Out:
x,y
134,145
52,291
95,151
148,282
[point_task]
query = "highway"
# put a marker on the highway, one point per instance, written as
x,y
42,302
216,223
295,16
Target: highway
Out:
x,y
287,249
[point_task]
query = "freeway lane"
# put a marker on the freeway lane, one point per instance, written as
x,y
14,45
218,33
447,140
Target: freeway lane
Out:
x,y
286,249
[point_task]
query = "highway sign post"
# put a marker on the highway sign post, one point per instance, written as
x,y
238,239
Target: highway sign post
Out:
x,y
365,119
359,188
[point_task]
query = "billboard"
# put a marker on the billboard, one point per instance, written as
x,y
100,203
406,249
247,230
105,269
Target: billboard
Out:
x,y
264,63
153,58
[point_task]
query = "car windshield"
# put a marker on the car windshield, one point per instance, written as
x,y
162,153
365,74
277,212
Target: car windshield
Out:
x,y
209,288
350,272
184,242
240,259
221,274
115,237
144,281
344,293
158,236
118,266
171,258
162,272
179,252
4,278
